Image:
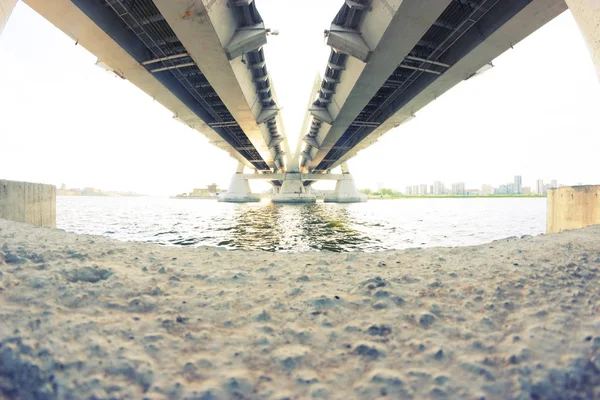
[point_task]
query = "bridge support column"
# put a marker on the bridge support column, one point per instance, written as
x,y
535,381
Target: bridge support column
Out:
x,y
345,190
293,190
587,16
239,189
6,7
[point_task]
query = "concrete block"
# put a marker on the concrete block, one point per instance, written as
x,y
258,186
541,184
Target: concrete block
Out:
x,y
573,207
32,203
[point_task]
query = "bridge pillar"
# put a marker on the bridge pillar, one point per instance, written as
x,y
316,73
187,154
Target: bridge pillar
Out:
x,y
345,190
239,189
587,16
292,190
6,7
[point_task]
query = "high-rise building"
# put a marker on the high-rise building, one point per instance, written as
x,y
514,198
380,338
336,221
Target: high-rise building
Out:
x,y
486,190
423,190
438,188
430,189
415,190
458,188
539,184
518,188
553,184
408,191
510,188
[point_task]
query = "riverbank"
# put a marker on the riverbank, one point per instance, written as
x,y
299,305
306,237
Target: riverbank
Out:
x,y
491,196
86,316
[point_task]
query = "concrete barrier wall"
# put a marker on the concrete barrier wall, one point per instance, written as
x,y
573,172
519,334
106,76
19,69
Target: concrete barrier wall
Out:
x,y
573,207
32,203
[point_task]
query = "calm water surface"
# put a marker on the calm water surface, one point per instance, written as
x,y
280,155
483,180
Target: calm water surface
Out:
x,y
375,225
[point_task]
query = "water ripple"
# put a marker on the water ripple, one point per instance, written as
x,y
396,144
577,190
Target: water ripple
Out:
x,y
373,226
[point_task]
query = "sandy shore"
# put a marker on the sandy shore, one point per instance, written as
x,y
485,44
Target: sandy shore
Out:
x,y
87,317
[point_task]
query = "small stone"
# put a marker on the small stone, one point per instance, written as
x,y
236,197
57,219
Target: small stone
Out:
x,y
161,270
87,274
379,330
381,264
369,350
426,320
216,254
381,294
380,305
441,380
439,355
437,393
174,278
323,262
303,278
145,269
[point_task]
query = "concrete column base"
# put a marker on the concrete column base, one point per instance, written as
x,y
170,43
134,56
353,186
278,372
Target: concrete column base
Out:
x,y
573,208
239,191
293,191
346,192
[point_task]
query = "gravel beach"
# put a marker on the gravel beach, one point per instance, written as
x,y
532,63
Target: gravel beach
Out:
x,y
85,317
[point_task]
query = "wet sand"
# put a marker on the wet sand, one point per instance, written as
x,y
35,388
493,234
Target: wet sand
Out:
x,y
88,317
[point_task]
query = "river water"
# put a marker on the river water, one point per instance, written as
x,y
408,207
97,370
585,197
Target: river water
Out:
x,y
375,225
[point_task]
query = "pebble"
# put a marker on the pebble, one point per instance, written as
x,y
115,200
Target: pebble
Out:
x,y
426,320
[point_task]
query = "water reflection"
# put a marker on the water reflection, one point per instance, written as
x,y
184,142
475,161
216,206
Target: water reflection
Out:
x,y
278,227
376,225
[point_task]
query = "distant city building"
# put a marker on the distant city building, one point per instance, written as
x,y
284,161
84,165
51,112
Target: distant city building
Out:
x,y
415,190
486,190
430,189
473,192
423,190
553,184
408,191
518,185
510,188
502,189
438,188
458,188
540,186
526,190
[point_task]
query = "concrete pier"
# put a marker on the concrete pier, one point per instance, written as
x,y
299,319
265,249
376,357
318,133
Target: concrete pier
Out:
x,y
573,208
345,190
293,191
32,203
239,189
587,16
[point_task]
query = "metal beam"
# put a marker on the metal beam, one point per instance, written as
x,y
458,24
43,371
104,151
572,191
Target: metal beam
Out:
x,y
172,67
173,57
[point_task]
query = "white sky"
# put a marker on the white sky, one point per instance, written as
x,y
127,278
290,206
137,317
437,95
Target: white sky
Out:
x,y
62,119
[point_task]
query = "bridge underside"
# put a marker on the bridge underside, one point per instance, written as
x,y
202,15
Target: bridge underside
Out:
x,y
235,108
462,40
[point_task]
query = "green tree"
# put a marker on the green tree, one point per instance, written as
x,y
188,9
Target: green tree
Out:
x,y
386,192
366,191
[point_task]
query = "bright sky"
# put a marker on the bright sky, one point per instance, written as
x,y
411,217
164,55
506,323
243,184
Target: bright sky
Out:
x,y
65,120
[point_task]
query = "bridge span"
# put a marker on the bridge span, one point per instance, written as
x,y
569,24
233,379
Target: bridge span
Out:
x,y
204,61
